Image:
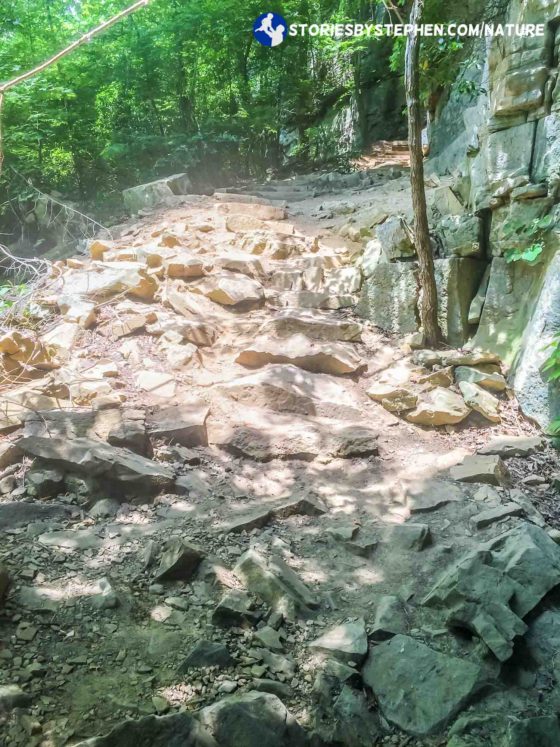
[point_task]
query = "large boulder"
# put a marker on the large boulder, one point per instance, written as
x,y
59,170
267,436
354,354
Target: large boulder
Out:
x,y
389,297
418,689
253,719
509,158
476,596
538,396
509,302
546,163
122,469
158,192
490,591
396,239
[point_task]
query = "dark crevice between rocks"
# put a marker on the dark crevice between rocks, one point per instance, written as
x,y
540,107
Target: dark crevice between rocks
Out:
x,y
484,234
550,42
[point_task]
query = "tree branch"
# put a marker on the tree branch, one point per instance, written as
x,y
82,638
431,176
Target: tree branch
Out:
x,y
86,38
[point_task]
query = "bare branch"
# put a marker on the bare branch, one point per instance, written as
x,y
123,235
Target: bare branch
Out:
x,y
85,39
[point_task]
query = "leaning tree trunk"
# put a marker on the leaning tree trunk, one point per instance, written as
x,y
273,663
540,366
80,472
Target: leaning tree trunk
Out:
x,y
428,304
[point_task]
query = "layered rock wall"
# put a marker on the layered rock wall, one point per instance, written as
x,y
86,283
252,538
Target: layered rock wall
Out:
x,y
503,153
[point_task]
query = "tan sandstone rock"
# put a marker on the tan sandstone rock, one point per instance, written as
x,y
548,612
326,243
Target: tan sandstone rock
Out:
x,y
332,357
439,406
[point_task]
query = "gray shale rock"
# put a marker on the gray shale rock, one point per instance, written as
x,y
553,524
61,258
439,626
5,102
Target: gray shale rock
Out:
x,y
254,719
418,689
125,469
179,561
276,583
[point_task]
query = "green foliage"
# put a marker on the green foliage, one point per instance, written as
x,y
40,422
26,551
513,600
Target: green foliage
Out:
x,y
441,60
10,293
533,232
528,254
178,85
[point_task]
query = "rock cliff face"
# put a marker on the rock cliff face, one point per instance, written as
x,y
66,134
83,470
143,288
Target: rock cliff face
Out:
x,y
501,146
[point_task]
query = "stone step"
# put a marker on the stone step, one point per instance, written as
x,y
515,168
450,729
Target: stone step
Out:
x,y
242,198
315,324
264,435
286,388
335,358
256,210
314,300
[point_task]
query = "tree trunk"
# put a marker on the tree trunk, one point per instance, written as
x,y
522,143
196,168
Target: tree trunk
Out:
x,y
428,304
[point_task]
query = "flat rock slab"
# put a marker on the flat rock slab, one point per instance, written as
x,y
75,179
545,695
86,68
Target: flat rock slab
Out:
x,y
157,383
315,324
264,435
316,300
156,731
486,469
4,583
468,358
439,406
207,654
106,279
418,689
12,696
390,618
432,495
96,459
260,211
234,609
408,536
347,641
287,388
330,358
72,539
15,514
513,446
72,424
492,515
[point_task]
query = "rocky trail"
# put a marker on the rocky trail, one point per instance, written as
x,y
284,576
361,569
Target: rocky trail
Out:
x,y
233,513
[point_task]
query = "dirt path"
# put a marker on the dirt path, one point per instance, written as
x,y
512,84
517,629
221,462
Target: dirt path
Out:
x,y
220,477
